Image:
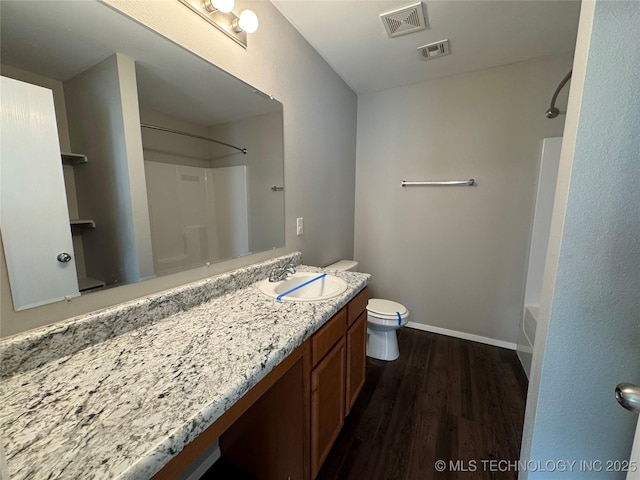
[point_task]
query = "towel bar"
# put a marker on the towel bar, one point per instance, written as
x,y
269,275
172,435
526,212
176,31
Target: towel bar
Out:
x,y
467,183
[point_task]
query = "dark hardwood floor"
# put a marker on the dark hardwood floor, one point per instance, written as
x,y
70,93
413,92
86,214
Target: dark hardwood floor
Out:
x,y
443,399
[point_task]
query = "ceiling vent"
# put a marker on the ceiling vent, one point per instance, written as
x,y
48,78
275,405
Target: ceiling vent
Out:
x,y
404,20
433,50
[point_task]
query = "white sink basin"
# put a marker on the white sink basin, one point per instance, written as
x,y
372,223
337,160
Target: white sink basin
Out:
x,y
323,288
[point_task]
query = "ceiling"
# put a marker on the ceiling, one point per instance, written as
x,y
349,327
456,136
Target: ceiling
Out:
x,y
351,37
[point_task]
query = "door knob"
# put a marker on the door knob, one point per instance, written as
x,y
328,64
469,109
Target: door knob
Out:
x,y
64,257
628,395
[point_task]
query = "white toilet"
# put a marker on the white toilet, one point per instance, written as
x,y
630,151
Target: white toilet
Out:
x,y
384,317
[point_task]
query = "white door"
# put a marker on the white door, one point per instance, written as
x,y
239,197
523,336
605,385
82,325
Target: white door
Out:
x,y
34,217
634,460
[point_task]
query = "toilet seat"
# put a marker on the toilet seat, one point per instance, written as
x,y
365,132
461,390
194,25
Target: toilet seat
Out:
x,y
386,309
374,321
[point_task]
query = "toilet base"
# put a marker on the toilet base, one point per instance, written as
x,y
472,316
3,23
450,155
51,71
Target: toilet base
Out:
x,y
382,345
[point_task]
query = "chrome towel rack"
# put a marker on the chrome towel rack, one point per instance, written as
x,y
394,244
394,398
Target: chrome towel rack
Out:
x,y
459,183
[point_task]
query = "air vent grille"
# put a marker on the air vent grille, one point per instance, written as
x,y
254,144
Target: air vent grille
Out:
x,y
432,50
404,20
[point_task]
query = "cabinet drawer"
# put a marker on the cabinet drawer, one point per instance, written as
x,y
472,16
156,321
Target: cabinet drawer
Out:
x,y
358,305
328,336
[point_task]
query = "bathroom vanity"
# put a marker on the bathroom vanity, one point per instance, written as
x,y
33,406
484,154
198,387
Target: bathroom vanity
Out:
x,y
142,389
289,421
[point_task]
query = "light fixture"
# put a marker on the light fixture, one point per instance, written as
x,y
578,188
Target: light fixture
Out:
x,y
218,13
224,6
247,21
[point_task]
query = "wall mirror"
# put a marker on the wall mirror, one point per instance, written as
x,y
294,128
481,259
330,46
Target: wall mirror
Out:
x,y
150,155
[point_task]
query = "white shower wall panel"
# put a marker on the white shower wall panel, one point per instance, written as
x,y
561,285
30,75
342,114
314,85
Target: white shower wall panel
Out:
x,y
178,215
197,214
542,218
231,198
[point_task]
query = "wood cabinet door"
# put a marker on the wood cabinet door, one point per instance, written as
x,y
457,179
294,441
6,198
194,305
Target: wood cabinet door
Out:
x,y
270,438
356,359
327,404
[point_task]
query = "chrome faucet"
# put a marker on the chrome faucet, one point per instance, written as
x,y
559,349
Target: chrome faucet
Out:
x,y
280,273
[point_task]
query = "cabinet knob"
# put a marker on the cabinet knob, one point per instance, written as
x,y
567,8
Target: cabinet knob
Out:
x,y
64,257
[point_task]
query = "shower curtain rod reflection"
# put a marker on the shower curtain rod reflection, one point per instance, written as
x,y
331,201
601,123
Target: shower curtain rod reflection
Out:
x,y
192,135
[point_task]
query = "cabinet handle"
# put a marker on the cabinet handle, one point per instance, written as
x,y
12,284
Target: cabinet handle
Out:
x,y
64,257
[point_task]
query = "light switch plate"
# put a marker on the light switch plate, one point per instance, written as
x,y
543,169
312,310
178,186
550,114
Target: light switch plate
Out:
x,y
299,226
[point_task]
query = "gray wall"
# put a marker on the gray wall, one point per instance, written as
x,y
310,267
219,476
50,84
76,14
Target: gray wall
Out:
x,y
319,145
455,256
589,332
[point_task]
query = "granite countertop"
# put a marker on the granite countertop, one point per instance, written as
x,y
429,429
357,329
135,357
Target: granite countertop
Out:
x,y
124,406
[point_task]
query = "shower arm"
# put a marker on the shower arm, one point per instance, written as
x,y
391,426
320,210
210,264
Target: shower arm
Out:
x,y
553,112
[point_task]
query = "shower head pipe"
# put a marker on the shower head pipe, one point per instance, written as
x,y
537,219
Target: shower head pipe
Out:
x,y
553,112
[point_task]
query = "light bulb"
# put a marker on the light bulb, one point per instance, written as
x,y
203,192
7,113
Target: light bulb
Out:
x,y
224,6
248,21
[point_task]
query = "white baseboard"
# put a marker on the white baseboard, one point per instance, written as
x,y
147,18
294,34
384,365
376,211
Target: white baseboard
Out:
x,y
462,335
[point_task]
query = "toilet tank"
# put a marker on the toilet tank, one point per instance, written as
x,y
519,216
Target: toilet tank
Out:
x,y
343,266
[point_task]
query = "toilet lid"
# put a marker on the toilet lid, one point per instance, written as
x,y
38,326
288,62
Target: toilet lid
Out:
x,y
386,308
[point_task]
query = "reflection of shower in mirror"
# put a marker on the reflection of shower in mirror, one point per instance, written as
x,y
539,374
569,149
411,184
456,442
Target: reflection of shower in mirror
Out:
x,y
197,214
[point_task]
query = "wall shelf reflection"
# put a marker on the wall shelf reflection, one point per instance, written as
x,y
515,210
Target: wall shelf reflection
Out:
x,y
81,225
86,283
73,158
